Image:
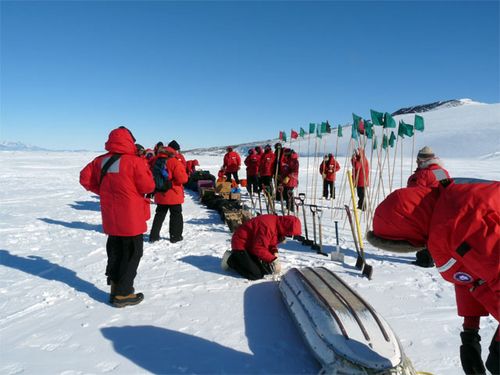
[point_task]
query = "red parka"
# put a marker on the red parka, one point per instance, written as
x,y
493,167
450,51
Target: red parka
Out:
x,y
232,162
329,169
266,164
289,170
177,174
190,166
124,209
181,158
459,224
252,163
260,236
428,175
361,168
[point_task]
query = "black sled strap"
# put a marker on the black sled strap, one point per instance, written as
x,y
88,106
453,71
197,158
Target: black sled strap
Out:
x,y
108,164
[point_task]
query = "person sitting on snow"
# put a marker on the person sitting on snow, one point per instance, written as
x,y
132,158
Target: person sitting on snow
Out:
x,y
459,222
254,245
428,174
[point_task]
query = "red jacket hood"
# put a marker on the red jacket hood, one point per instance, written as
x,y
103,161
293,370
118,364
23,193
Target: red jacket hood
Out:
x,y
288,225
406,215
120,141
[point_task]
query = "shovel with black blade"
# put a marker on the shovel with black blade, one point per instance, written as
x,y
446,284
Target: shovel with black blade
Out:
x,y
306,241
314,245
319,213
297,203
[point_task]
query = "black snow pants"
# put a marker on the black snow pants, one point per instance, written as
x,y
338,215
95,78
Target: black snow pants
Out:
x,y
248,265
124,255
328,185
361,197
176,224
235,176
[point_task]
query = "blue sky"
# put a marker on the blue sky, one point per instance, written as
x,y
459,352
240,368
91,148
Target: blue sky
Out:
x,y
218,73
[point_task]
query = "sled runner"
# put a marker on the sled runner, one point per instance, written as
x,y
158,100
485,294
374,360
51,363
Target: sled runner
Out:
x,y
345,334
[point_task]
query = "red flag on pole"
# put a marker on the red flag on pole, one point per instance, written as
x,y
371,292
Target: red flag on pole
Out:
x,y
294,134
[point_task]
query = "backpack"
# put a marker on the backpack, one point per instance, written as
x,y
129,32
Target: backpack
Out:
x,y
160,176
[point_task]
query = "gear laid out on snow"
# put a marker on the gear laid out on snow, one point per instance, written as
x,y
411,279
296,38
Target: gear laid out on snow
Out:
x,y
346,335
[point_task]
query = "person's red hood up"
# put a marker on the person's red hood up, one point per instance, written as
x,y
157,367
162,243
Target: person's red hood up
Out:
x,y
120,141
289,225
406,215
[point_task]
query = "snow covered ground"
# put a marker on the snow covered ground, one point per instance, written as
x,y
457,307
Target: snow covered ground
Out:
x,y
196,318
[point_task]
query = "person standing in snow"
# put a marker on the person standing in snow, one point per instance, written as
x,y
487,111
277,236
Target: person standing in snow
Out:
x,y
254,245
231,165
361,172
459,222
121,179
328,169
428,174
266,164
170,200
252,164
178,154
289,177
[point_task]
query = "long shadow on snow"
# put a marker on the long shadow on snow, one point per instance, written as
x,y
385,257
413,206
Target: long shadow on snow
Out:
x,y
86,206
206,263
74,224
273,339
45,269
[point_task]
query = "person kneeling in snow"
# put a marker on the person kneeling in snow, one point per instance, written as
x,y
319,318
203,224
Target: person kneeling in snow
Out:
x,y
459,222
254,245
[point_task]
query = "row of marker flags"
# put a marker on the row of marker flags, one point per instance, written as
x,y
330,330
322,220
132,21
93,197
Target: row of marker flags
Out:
x,y
364,127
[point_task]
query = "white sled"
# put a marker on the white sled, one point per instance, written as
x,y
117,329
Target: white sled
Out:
x,y
346,335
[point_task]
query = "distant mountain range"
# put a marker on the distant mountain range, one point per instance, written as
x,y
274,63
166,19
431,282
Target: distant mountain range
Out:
x,y
435,105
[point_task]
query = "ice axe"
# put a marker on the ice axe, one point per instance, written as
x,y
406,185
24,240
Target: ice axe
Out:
x,y
337,256
306,241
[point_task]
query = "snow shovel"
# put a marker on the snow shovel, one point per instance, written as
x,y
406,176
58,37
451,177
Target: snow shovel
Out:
x,y
319,212
366,270
337,256
260,201
290,203
306,241
254,209
297,203
314,245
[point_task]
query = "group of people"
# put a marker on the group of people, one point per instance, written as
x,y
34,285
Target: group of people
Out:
x,y
275,171
455,221
125,178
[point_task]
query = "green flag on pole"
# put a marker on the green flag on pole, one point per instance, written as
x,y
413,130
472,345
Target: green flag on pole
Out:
x,y
323,128
419,123
312,127
385,142
368,129
355,126
375,143
389,122
405,129
302,132
377,117
339,131
392,138
318,132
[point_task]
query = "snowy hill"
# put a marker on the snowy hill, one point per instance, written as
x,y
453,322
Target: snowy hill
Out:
x,y
435,105
19,146
454,129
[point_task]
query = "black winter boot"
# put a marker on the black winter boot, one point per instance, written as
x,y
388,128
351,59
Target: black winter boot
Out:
x,y
131,299
424,259
470,352
493,360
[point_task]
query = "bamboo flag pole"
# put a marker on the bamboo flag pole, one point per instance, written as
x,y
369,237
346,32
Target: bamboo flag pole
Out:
x,y
315,175
401,184
391,177
308,157
412,151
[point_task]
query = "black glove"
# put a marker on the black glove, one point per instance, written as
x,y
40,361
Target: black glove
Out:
x,y
493,360
470,352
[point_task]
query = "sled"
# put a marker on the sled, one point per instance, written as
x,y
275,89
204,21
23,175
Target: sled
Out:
x,y
346,335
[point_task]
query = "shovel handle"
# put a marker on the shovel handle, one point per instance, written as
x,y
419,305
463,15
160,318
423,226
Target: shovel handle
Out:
x,y
313,208
302,197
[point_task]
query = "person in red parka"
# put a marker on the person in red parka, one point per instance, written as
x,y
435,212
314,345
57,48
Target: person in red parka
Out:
x,y
191,166
428,174
252,163
254,245
288,178
231,165
328,169
361,173
266,165
124,210
459,222
170,200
